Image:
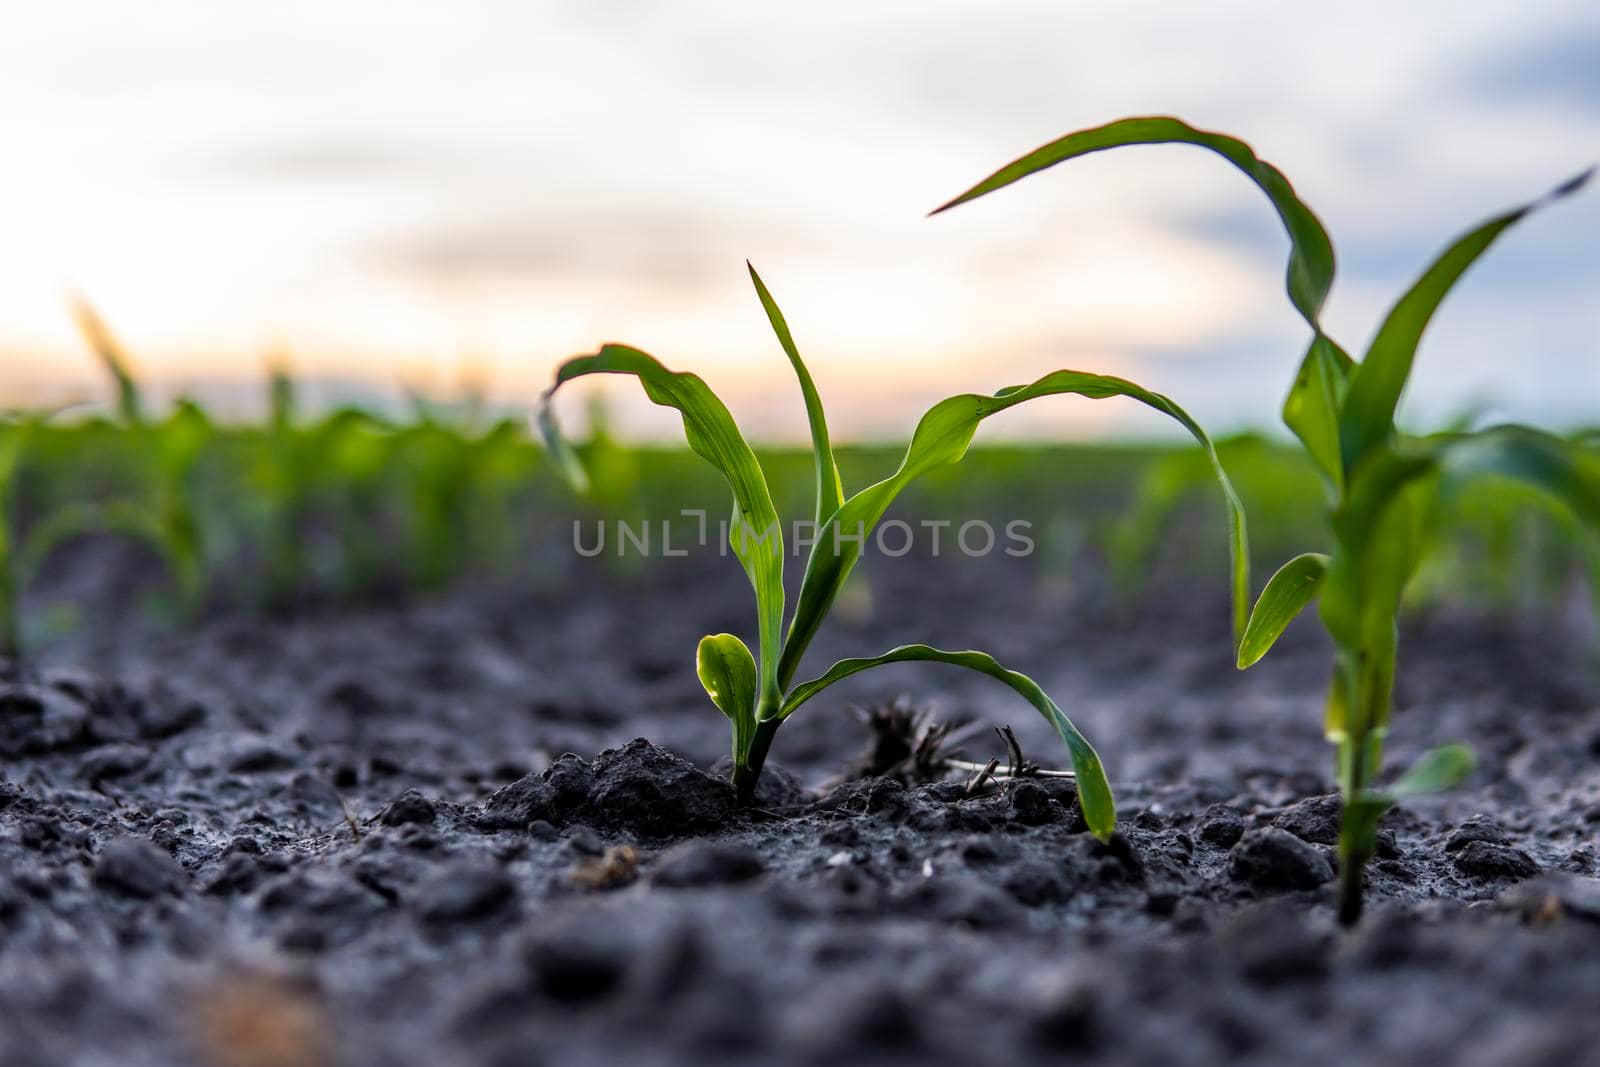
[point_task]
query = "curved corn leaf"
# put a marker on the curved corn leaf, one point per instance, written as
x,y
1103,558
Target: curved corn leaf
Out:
x,y
81,519
1311,263
754,533
1555,466
1311,409
1136,533
1094,792
560,452
830,493
16,426
941,439
1367,416
1562,470
728,671
1435,771
1286,595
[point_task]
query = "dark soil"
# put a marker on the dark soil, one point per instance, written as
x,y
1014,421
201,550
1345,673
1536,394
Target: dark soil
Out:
x,y
428,836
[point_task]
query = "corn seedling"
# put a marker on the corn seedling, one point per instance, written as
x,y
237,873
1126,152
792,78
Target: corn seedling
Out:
x,y
1271,481
462,473
1382,485
357,449
612,467
168,516
22,552
296,475
757,691
13,440
286,473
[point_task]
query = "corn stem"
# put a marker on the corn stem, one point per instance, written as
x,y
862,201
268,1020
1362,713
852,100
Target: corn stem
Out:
x,y
748,773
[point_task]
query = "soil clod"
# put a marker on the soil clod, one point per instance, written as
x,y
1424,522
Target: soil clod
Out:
x,y
701,863
1489,861
1270,858
410,807
138,869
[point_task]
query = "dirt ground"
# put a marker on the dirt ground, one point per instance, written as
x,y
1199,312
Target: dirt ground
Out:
x,y
428,835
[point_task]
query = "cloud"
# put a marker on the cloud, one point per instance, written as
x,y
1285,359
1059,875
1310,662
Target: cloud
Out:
x,y
1557,67
681,252
526,176
327,159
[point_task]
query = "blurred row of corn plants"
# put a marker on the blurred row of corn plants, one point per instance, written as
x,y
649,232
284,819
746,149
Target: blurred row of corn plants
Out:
x,y
349,506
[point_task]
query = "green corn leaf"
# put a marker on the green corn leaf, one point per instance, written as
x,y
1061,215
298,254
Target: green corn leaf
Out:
x,y
1094,792
1379,524
1286,595
181,437
16,427
728,671
1367,417
1435,771
560,451
14,432
13,438
1135,534
830,493
81,519
1383,527
1562,470
941,439
1379,528
1311,410
1312,407
1311,264
1557,467
754,533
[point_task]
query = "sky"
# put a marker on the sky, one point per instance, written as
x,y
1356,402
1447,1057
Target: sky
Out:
x,y
394,195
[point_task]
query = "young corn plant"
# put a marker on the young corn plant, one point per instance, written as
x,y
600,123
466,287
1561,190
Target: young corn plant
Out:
x,y
463,471
757,690
284,476
1382,485
14,431
23,551
168,515
299,469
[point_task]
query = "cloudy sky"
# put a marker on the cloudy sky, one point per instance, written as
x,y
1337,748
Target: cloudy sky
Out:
x,y
398,192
